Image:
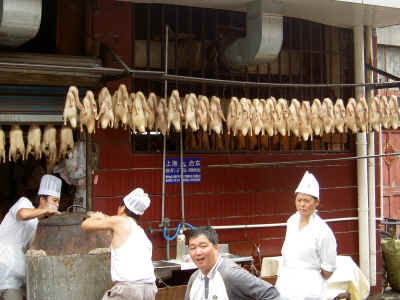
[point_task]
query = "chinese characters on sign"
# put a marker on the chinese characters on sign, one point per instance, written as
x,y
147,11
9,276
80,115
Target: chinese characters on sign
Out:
x,y
191,170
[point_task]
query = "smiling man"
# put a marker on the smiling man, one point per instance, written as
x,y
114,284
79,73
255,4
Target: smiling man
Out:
x,y
220,278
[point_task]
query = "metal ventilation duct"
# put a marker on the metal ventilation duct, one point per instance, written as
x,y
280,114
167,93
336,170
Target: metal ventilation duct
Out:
x,y
19,21
264,37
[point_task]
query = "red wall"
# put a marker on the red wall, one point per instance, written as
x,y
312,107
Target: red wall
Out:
x,y
227,196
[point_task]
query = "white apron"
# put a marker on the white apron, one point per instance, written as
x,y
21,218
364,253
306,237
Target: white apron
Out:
x,y
299,276
15,236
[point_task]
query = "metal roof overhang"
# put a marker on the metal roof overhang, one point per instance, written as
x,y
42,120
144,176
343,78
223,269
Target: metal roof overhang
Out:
x,y
33,86
338,13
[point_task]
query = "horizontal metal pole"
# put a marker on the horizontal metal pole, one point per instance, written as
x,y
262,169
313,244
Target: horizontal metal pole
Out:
x,y
269,164
275,224
115,73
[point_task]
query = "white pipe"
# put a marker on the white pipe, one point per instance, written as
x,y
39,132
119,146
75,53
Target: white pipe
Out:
x,y
275,224
371,169
361,149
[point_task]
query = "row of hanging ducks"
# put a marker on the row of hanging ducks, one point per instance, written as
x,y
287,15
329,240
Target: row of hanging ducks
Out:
x,y
304,119
52,144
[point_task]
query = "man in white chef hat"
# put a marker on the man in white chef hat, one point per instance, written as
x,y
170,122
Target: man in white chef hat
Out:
x,y
17,231
309,249
132,269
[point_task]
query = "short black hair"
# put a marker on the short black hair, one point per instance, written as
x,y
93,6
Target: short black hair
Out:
x,y
36,202
130,213
208,231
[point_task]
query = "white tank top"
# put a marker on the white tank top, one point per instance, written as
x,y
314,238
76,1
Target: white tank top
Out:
x,y
132,261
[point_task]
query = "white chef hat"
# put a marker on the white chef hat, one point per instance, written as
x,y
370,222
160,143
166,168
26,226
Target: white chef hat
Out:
x,y
308,185
137,201
50,186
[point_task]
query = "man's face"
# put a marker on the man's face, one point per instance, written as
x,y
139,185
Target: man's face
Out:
x,y
203,253
52,202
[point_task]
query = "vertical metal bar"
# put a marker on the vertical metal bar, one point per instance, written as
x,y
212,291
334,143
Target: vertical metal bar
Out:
x,y
302,55
133,80
311,53
89,165
148,37
176,44
165,141
182,179
322,53
203,50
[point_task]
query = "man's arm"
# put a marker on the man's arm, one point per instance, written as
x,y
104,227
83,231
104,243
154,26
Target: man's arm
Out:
x,y
244,285
98,221
25,214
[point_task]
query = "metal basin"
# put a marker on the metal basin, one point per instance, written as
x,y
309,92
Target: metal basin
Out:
x,y
164,269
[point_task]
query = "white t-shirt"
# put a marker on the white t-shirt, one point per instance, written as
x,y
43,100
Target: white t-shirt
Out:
x,y
15,236
304,253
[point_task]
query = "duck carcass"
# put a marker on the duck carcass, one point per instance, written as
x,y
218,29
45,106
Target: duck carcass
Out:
x,y
49,145
203,113
231,116
305,120
327,115
2,146
33,145
256,119
394,112
293,118
362,114
70,112
216,116
269,116
282,113
161,116
190,109
374,114
121,101
17,146
88,112
150,113
351,122
138,119
385,112
175,112
316,118
340,115
245,112
66,142
106,116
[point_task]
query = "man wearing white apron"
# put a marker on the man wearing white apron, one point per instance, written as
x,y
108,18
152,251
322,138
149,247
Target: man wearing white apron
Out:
x,y
309,250
16,234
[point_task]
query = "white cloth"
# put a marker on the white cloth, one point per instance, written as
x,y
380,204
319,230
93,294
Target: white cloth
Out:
x,y
50,186
137,201
348,278
304,253
308,185
15,236
132,261
215,286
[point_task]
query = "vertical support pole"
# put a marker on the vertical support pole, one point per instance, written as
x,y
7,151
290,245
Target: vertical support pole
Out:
x,y
89,171
361,149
